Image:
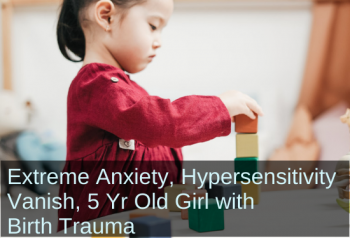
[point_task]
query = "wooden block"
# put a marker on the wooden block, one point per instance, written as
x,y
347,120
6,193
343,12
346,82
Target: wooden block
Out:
x,y
251,190
346,193
163,213
118,224
192,194
227,192
203,220
207,184
248,164
151,226
344,204
247,145
243,124
173,192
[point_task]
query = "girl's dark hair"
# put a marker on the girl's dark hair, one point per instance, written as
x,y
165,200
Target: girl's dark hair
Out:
x,y
69,31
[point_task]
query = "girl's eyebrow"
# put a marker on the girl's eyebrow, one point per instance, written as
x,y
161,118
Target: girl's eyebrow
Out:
x,y
159,17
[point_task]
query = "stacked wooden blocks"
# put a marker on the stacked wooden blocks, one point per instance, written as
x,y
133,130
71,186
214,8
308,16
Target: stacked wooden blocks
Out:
x,y
201,219
247,154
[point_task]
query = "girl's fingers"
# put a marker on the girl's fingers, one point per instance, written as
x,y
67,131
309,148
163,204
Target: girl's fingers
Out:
x,y
253,105
249,113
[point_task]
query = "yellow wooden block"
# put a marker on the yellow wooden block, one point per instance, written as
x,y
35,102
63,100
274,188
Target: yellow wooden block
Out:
x,y
118,232
343,204
251,190
173,192
247,145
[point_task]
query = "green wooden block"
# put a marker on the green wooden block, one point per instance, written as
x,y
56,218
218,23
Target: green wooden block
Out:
x,y
173,192
203,220
248,164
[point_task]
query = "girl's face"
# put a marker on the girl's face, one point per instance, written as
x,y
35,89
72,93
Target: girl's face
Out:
x,y
134,39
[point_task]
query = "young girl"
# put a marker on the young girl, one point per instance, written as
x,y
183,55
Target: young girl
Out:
x,y
111,118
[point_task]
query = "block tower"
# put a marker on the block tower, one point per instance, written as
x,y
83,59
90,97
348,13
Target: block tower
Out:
x,y
247,154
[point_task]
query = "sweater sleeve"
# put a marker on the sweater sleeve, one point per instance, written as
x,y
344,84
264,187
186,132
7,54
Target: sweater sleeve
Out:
x,y
151,120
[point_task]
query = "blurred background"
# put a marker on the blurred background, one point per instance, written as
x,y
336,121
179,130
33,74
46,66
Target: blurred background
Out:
x,y
275,51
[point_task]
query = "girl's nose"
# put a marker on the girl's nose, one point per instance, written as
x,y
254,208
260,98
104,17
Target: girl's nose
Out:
x,y
157,43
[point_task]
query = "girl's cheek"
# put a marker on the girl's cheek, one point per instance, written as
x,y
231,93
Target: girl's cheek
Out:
x,y
142,42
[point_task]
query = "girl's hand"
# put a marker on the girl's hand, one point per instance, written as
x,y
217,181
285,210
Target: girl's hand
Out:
x,y
239,103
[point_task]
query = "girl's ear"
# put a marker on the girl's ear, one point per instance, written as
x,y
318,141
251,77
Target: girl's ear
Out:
x,y
104,10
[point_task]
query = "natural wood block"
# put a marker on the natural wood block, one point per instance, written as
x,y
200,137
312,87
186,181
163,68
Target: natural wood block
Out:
x,y
248,165
243,124
247,145
346,194
251,190
192,194
344,204
163,213
203,220
173,192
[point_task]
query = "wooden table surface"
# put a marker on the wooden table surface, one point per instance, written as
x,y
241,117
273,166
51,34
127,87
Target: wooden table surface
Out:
x,y
279,213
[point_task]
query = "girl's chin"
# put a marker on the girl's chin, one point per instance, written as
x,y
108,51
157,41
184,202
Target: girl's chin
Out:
x,y
135,70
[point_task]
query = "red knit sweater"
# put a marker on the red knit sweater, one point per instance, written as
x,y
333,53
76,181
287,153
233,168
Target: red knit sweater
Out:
x,y
104,106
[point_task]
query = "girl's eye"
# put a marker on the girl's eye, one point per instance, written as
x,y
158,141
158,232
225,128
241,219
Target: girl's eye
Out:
x,y
153,27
